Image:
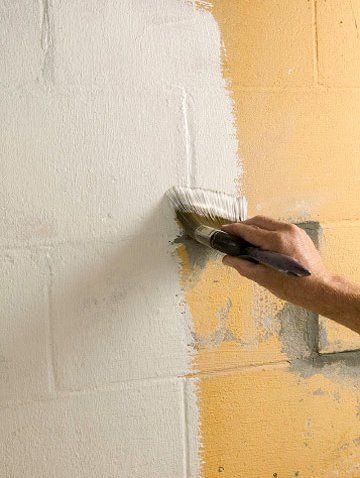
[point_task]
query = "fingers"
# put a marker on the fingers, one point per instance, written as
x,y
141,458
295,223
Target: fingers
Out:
x,y
245,268
266,223
251,233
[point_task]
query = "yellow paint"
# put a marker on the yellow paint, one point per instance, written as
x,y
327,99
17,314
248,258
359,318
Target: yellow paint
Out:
x,y
338,26
270,423
216,293
299,143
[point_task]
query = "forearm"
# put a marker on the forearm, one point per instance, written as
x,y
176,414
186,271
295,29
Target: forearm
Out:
x,y
321,292
338,299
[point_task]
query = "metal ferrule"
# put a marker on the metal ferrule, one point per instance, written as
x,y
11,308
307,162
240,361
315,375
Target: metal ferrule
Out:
x,y
203,234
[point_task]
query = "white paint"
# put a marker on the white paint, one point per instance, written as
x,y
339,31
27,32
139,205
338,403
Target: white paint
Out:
x,y
116,312
193,436
130,431
103,107
24,370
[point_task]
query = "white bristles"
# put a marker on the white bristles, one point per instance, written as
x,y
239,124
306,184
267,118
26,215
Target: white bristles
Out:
x,y
211,204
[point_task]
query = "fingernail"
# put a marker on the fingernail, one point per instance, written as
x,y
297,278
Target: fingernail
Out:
x,y
226,225
226,260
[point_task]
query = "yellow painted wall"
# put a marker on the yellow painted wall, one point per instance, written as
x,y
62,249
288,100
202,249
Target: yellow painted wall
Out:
x,y
270,404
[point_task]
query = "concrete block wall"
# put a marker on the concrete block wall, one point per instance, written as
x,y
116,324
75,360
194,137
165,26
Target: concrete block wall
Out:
x,y
114,361
103,106
276,398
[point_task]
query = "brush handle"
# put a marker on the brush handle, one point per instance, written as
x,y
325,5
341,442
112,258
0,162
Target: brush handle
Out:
x,y
235,246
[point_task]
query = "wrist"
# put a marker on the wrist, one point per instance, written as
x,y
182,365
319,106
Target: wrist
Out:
x,y
339,300
318,293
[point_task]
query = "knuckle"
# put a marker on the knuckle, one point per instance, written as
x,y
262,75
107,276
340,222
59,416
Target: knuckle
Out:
x,y
292,228
279,240
301,232
259,217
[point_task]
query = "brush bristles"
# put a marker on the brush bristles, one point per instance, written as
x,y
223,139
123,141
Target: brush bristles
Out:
x,y
195,206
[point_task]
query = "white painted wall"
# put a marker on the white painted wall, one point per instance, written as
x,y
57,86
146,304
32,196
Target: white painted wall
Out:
x,y
103,106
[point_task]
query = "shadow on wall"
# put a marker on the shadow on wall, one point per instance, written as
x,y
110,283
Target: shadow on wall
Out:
x,y
114,310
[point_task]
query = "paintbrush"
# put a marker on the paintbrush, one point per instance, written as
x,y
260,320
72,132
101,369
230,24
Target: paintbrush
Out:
x,y
202,213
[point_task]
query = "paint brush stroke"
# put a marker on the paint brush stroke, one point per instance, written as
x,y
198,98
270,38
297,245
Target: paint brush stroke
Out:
x,y
212,162
47,41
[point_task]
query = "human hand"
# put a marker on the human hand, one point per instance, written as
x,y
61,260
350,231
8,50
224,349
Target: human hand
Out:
x,y
288,239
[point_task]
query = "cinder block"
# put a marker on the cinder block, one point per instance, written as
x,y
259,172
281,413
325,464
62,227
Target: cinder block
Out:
x,y
244,415
91,165
128,46
136,431
21,54
267,43
194,443
340,250
235,323
216,164
300,153
24,366
126,112
338,24
117,313
238,323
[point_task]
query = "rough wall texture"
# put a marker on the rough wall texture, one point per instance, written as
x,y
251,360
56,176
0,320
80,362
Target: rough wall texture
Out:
x,y
276,397
103,106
